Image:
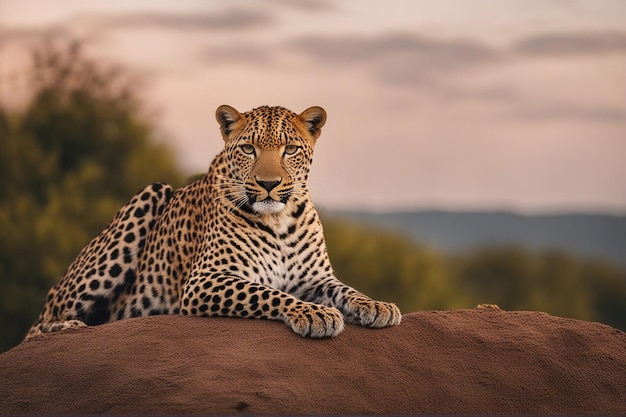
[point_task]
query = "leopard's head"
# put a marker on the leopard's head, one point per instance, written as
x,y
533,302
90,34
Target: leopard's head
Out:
x,y
269,152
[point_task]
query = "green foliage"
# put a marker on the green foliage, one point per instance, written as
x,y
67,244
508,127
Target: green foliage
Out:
x,y
69,159
392,268
518,280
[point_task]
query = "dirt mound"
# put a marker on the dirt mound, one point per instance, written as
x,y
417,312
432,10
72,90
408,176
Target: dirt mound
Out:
x,y
457,362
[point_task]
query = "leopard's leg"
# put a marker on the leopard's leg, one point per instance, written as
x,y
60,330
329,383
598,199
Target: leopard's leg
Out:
x,y
356,307
220,294
93,283
55,326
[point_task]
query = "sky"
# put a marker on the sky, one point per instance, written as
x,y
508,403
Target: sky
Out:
x,y
450,104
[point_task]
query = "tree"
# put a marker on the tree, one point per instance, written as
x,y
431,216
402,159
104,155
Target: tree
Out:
x,y
79,149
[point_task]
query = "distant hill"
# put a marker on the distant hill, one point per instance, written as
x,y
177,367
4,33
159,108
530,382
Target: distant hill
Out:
x,y
586,235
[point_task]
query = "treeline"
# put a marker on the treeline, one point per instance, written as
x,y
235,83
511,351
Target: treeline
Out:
x,y
83,145
393,268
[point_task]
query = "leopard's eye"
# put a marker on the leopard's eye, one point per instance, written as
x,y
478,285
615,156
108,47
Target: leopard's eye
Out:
x,y
247,149
291,149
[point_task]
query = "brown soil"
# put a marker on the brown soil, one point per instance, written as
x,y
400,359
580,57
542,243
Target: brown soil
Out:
x,y
456,362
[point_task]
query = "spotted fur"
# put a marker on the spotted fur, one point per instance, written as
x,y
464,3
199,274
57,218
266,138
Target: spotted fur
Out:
x,y
243,241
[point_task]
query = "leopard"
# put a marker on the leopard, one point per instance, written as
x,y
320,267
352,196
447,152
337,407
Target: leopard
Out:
x,y
243,240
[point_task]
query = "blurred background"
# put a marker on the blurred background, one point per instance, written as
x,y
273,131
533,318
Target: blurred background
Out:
x,y
474,151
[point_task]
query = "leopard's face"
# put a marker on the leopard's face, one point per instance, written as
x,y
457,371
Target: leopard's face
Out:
x,y
269,151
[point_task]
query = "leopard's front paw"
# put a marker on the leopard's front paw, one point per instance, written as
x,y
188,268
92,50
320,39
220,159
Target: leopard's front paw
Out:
x,y
314,320
370,313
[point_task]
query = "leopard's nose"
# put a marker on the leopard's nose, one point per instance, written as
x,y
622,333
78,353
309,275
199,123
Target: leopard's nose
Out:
x,y
268,185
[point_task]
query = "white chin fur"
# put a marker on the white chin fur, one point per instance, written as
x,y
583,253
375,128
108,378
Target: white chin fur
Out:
x,y
268,207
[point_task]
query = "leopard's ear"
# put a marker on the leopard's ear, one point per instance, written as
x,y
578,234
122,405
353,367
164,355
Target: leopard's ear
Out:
x,y
313,119
228,119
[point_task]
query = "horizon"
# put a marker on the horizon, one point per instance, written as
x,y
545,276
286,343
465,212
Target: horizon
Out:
x,y
543,212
